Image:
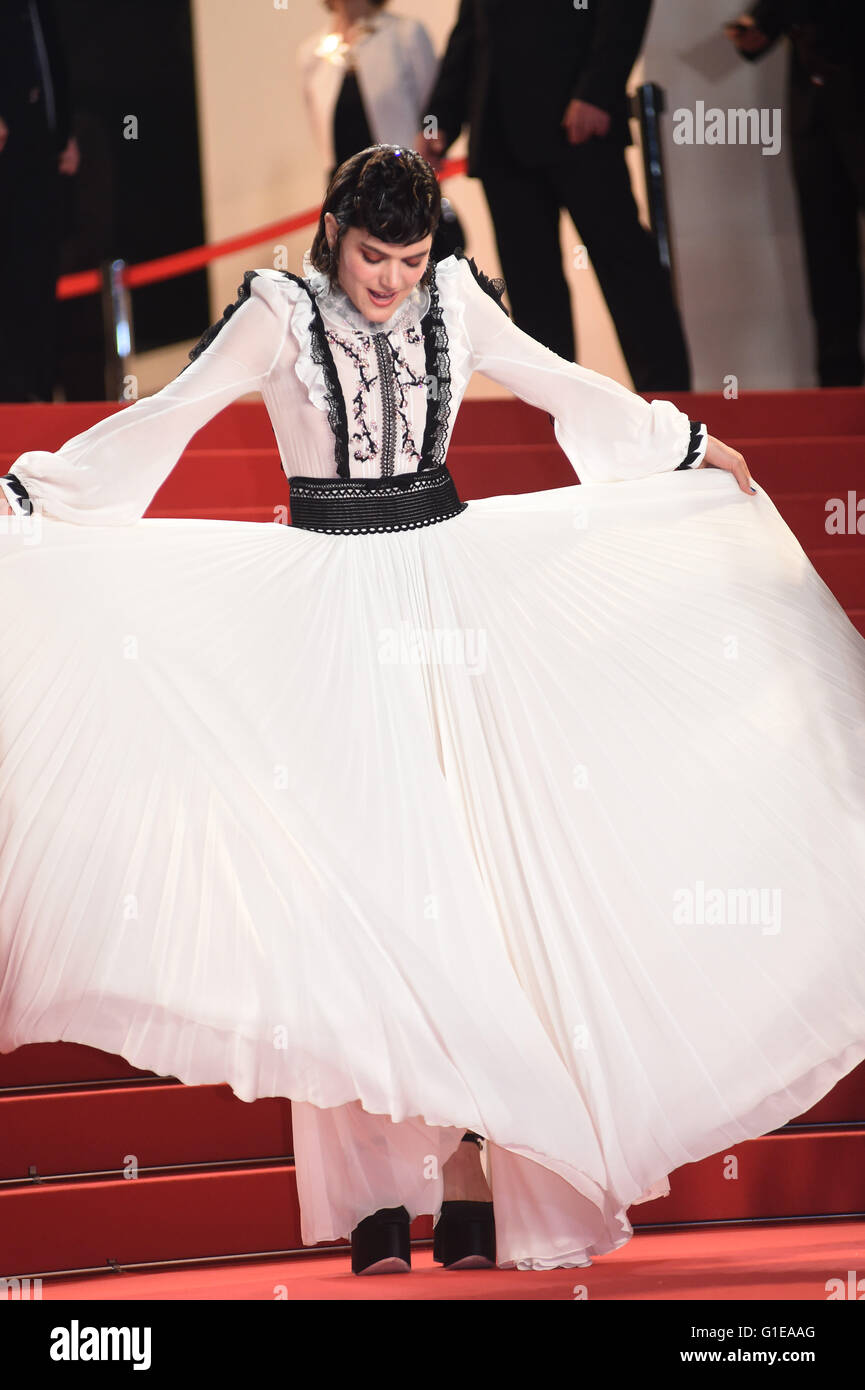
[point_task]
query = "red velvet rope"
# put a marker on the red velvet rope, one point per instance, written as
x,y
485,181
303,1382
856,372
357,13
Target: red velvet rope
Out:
x,y
181,262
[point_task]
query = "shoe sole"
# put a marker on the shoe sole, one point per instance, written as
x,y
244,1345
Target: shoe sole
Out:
x,y
392,1265
472,1262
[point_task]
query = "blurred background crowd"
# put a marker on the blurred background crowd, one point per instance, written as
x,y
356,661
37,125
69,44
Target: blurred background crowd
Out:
x,y
133,133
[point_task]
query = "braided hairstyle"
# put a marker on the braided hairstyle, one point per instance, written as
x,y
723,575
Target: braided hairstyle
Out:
x,y
391,192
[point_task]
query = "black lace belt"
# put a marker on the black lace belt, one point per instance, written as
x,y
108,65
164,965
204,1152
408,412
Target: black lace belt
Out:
x,y
353,506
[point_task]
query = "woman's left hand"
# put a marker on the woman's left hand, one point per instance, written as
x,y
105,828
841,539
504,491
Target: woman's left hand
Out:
x,y
720,455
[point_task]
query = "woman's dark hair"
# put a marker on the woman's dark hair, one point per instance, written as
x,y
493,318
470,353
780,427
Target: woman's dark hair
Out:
x,y
388,190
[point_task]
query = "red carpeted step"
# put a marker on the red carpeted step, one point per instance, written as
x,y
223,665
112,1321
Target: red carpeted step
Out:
x,y
244,424
819,1172
844,573
241,1210
54,1064
757,414
830,412
90,1223
844,1104
106,1128
833,516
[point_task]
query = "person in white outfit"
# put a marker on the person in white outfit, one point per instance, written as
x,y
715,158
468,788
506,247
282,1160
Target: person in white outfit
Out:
x,y
365,78
433,816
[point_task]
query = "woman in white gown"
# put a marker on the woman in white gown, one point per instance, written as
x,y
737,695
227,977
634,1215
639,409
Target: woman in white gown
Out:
x,y
541,816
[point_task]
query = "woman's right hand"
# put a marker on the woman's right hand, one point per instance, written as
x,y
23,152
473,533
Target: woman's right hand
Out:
x,y
5,507
720,455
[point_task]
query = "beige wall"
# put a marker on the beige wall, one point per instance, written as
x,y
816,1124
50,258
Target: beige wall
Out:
x,y
739,261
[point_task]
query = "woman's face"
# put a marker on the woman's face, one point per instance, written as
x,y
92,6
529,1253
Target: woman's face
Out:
x,y
369,268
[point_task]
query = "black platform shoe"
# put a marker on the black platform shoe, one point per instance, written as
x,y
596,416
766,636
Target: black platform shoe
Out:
x,y
380,1244
465,1233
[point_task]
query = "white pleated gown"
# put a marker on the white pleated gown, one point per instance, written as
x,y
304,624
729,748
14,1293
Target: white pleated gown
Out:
x,y
546,821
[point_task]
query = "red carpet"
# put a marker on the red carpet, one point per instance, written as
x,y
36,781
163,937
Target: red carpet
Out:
x,y
750,1263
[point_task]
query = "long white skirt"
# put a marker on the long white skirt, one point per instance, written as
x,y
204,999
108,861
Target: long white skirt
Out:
x,y
546,821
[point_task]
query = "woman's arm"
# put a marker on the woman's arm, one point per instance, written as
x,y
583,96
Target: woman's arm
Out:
x,y
108,474
610,434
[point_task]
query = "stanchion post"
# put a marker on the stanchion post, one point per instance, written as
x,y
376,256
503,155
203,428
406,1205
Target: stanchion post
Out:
x,y
647,105
117,327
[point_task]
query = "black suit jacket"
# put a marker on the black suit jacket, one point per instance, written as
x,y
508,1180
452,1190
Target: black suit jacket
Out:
x,y
510,70
19,70
838,28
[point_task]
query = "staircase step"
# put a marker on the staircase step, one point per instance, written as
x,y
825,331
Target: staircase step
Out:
x,y
58,1063
780,465
823,412
844,574
243,424
843,1105
101,1129
810,514
787,1174
754,414
93,1223
89,1223
104,1129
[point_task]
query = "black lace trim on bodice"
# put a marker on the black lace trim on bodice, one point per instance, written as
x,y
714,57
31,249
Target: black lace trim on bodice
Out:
x,y
438,381
494,286
207,337
337,416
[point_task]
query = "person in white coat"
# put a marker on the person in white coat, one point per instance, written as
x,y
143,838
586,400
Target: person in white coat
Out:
x,y
433,816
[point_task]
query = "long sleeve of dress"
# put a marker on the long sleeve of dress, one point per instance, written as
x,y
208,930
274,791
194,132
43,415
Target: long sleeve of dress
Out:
x,y
609,433
108,474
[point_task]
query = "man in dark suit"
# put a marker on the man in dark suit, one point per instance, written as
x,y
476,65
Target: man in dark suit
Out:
x,y
36,149
826,119
543,90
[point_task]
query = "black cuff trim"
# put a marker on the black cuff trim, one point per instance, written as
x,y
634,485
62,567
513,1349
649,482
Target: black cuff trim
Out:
x,y
693,445
20,492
